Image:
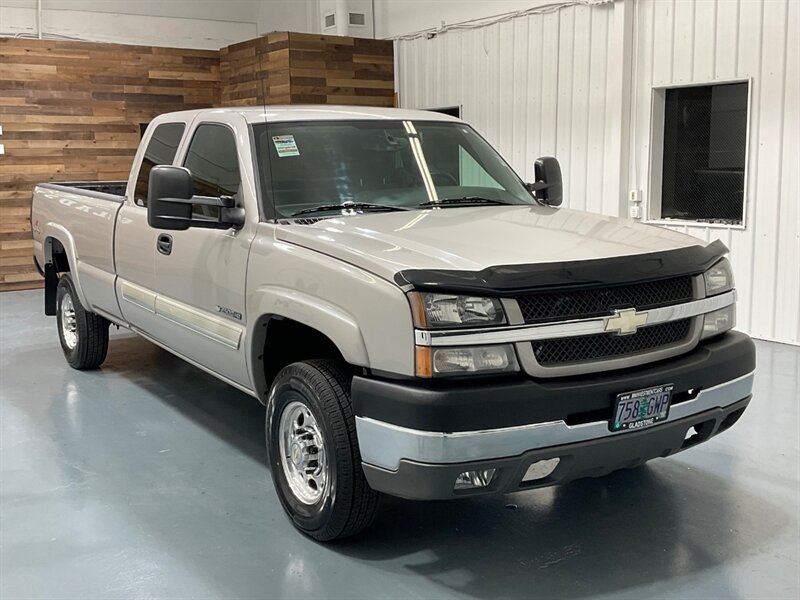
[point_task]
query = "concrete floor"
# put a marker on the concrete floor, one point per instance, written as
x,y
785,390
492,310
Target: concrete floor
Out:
x,y
147,479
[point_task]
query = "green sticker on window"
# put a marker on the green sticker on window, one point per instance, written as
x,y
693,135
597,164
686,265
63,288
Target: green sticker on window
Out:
x,y
285,145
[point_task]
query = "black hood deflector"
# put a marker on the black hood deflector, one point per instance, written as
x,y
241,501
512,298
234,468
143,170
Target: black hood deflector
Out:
x,y
514,279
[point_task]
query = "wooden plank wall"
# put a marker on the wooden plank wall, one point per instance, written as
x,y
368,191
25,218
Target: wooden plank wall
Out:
x,y
72,110
300,68
255,69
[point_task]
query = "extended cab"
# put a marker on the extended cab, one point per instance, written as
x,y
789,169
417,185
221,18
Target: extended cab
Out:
x,y
416,319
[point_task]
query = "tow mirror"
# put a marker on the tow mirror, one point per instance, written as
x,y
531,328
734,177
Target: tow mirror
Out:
x,y
171,199
547,188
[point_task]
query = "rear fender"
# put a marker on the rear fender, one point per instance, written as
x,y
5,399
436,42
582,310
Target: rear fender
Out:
x,y
54,231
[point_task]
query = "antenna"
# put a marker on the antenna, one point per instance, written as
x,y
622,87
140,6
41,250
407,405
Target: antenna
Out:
x,y
266,182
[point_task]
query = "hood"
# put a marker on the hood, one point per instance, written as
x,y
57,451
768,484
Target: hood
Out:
x,y
474,238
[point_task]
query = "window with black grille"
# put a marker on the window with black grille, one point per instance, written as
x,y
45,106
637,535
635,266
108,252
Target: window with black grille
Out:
x,y
704,147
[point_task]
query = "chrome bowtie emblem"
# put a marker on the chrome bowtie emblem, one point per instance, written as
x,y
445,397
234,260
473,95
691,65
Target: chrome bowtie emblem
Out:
x,y
626,321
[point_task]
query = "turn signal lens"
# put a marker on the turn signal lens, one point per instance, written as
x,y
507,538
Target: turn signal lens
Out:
x,y
423,362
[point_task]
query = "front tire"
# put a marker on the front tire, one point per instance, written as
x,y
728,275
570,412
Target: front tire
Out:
x,y
83,334
313,451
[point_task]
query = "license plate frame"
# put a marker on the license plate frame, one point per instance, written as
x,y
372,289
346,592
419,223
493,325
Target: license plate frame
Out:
x,y
654,404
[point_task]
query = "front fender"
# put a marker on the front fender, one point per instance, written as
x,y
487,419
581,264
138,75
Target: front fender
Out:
x,y
338,325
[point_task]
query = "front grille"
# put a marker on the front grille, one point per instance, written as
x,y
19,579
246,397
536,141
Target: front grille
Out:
x,y
563,351
586,303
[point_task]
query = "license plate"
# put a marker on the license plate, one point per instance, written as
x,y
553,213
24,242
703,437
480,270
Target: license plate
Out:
x,y
642,408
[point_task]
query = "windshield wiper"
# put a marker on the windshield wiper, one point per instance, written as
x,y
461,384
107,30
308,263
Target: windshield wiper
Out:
x,y
348,206
464,200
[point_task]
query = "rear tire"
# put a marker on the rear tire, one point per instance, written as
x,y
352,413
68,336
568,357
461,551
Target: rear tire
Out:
x,y
313,451
83,334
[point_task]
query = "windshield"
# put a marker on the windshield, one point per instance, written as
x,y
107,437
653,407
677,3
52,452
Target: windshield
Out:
x,y
305,165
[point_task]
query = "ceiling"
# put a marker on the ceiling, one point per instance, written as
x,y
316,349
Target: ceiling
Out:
x,y
245,11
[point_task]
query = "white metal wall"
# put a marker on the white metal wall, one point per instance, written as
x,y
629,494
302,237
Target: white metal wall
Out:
x,y
686,41
533,86
550,84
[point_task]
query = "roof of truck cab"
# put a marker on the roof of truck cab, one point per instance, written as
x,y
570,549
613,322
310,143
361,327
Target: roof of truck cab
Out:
x,y
321,112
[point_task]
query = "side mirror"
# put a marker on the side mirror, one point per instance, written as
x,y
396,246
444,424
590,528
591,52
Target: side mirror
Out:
x,y
547,188
169,198
170,202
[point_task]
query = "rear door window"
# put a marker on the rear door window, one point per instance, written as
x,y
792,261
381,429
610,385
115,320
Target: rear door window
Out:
x,y
161,150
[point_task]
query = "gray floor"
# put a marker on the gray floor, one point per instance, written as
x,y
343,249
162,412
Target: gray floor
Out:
x,y
148,479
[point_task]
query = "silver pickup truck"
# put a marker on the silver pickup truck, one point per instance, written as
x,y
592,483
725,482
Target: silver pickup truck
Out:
x,y
416,319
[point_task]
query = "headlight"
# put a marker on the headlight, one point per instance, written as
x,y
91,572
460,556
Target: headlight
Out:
x,y
719,321
719,278
442,311
464,360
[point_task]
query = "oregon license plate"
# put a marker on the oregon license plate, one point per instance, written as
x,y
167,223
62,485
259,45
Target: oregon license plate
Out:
x,y
642,408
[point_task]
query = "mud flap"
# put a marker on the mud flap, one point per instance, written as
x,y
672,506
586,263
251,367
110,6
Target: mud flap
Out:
x,y
50,286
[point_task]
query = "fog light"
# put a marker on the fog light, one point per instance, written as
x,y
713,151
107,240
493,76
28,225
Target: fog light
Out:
x,y
474,479
540,469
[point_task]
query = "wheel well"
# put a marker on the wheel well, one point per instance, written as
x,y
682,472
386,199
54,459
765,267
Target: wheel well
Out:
x,y
287,341
56,261
57,256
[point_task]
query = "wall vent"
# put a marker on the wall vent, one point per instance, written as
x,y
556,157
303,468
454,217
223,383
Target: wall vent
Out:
x,y
359,19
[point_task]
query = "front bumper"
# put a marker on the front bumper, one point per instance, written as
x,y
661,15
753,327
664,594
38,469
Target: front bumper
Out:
x,y
571,424
591,458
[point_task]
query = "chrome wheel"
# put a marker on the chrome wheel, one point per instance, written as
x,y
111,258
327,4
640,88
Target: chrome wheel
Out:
x,y
303,457
69,326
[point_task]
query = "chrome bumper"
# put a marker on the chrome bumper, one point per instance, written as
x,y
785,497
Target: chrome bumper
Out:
x,y
384,445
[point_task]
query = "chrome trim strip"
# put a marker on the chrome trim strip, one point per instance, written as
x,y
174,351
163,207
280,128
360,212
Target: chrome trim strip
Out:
x,y
577,327
214,328
531,366
193,319
528,362
139,296
384,445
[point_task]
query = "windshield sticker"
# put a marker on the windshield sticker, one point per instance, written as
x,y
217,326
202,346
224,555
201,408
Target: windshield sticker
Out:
x,y
285,145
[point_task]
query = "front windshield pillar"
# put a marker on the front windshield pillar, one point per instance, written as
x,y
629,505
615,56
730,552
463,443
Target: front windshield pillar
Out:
x,y
419,156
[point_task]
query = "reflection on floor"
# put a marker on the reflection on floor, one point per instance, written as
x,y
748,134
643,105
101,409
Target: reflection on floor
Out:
x,y
148,479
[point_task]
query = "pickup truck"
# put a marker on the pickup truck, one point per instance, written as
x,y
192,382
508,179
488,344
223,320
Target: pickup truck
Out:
x,y
417,320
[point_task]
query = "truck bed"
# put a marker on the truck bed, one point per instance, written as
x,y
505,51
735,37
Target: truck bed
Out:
x,y
81,216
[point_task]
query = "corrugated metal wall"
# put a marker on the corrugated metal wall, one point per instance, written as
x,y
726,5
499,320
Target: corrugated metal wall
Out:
x,y
533,86
686,41
542,85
